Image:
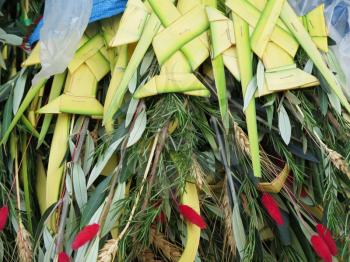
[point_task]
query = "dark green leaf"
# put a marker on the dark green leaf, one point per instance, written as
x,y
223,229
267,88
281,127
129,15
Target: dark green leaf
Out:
x,y
96,199
7,114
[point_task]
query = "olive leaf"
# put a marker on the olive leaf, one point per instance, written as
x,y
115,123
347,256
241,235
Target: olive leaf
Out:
x,y
284,125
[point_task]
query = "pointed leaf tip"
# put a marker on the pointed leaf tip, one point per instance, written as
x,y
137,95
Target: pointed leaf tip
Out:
x,y
249,94
284,125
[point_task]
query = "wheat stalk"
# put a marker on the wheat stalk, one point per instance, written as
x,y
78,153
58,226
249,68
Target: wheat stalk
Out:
x,y
168,249
243,143
242,139
336,158
24,244
198,173
229,233
338,161
147,255
108,251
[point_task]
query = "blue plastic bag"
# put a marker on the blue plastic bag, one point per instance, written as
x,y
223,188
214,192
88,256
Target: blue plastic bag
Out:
x,y
101,9
302,7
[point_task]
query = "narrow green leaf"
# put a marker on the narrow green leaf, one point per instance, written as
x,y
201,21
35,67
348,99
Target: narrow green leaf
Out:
x,y
131,111
7,115
6,89
138,128
88,153
220,84
49,245
27,100
133,83
335,66
92,252
270,100
249,94
269,113
69,185
260,76
146,62
19,90
323,103
1,248
238,228
114,211
309,66
335,102
94,201
2,62
11,39
102,161
284,125
30,128
79,185
26,183
216,210
293,99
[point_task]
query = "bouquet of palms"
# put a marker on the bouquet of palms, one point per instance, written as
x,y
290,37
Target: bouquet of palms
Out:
x,y
189,130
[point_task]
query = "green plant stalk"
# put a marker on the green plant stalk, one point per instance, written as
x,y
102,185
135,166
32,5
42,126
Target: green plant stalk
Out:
x,y
40,184
32,108
265,26
56,89
13,145
55,169
29,126
220,81
245,57
151,28
24,174
296,27
117,75
26,102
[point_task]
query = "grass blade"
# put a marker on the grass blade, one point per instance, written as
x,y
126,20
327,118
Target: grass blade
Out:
x,y
26,102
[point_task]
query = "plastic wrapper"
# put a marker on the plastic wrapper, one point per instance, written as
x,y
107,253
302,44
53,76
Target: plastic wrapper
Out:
x,y
338,24
302,7
64,24
100,9
338,20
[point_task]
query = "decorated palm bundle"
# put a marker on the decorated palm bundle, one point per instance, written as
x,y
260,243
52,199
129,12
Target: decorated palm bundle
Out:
x,y
189,130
